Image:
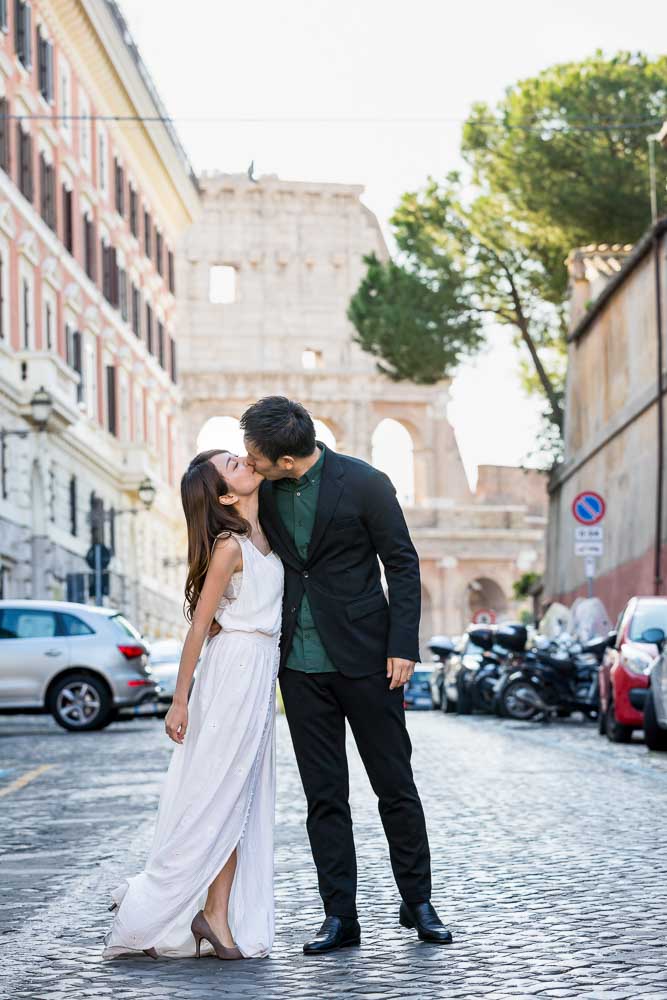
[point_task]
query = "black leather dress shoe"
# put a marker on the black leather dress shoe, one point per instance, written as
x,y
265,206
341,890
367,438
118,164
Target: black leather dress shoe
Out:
x,y
335,932
423,918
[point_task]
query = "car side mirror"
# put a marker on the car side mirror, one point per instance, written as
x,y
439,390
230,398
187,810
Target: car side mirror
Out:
x,y
655,636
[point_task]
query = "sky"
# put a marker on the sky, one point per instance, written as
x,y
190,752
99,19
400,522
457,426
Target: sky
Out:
x,y
373,92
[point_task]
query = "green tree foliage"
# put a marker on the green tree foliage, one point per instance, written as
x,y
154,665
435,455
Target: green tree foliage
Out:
x,y
569,148
460,264
561,161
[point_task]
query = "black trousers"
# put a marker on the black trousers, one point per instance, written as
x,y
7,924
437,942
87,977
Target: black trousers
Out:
x,y
317,706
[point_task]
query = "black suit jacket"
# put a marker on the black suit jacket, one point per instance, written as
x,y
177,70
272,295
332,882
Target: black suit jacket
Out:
x,y
358,519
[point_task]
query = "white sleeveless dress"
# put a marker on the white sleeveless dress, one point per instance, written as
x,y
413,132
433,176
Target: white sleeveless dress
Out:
x,y
219,793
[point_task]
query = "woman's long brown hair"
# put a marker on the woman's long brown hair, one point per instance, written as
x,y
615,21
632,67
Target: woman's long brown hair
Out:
x,y
206,518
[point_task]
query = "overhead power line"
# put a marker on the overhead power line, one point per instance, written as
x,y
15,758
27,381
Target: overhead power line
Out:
x,y
528,125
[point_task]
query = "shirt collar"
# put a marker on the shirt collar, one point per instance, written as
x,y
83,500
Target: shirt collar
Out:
x,y
309,478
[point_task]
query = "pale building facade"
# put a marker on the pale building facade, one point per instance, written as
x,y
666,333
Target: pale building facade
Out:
x,y
265,277
615,422
90,213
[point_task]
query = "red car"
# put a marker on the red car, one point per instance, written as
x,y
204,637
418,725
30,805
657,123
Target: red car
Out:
x,y
624,671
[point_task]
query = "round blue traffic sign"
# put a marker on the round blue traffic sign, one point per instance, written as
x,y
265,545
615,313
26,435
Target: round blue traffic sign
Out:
x,y
588,507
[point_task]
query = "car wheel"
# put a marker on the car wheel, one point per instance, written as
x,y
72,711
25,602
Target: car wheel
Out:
x,y
616,731
654,735
602,722
81,703
464,701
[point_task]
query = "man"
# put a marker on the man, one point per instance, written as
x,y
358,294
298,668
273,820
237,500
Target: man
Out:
x,y
345,654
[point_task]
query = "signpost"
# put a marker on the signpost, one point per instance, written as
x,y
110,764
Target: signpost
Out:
x,y
588,509
485,616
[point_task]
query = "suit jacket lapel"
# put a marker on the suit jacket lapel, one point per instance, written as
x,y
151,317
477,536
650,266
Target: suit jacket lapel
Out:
x,y
331,487
274,527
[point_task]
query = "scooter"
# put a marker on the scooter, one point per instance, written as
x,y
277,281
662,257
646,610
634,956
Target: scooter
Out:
x,y
555,682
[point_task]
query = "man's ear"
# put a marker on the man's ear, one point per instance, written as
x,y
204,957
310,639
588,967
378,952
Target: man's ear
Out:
x,y
286,463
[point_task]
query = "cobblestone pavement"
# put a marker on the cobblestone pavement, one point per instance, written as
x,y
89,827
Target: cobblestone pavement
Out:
x,y
549,857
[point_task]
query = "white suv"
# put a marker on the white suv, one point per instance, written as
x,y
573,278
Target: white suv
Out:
x,y
85,665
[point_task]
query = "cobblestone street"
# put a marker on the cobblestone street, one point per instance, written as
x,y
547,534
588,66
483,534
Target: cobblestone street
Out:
x,y
549,860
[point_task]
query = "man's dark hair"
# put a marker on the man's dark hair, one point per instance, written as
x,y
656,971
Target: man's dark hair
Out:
x,y
279,426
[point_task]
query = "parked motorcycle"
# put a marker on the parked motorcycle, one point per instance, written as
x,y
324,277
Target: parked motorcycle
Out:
x,y
556,680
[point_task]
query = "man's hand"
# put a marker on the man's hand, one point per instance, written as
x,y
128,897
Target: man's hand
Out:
x,y
399,671
215,628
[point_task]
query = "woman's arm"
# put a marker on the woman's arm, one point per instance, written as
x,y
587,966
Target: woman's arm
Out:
x,y
226,559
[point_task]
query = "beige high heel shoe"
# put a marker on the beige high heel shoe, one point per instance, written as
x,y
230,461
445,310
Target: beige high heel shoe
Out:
x,y
201,930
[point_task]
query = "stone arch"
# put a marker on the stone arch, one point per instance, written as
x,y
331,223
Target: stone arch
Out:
x,y
484,593
393,453
325,431
221,432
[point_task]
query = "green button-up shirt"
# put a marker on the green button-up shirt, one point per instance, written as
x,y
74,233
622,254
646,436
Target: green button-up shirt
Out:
x,y
296,500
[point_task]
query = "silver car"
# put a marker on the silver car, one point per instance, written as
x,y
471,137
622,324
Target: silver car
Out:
x,y
655,706
85,665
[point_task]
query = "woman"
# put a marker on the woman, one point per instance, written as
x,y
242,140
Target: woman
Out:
x,y
208,881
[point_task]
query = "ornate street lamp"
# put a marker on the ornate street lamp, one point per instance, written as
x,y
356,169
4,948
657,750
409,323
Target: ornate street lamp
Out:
x,y
41,406
147,493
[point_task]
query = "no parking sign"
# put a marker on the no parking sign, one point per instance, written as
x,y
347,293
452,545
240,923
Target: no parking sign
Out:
x,y
588,507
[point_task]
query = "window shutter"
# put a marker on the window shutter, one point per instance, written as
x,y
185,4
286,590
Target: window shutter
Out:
x,y
41,62
160,343
42,186
3,15
4,135
171,276
19,28
77,364
72,506
113,269
111,399
68,227
27,35
49,72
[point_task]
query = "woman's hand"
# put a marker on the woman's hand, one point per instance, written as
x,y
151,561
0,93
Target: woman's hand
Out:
x,y
176,721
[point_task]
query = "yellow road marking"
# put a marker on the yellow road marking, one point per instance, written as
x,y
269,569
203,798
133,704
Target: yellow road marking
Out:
x,y
25,779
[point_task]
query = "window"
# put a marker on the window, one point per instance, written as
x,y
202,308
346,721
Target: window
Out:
x,y
102,161
122,294
26,314
47,192
311,359
109,274
222,285
71,625
124,406
134,214
149,328
24,146
90,376
23,32
112,425
89,247
136,311
73,507
147,233
158,250
77,365
65,98
171,278
68,219
160,343
45,66
4,135
139,429
172,352
49,314
20,623
119,175
86,133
